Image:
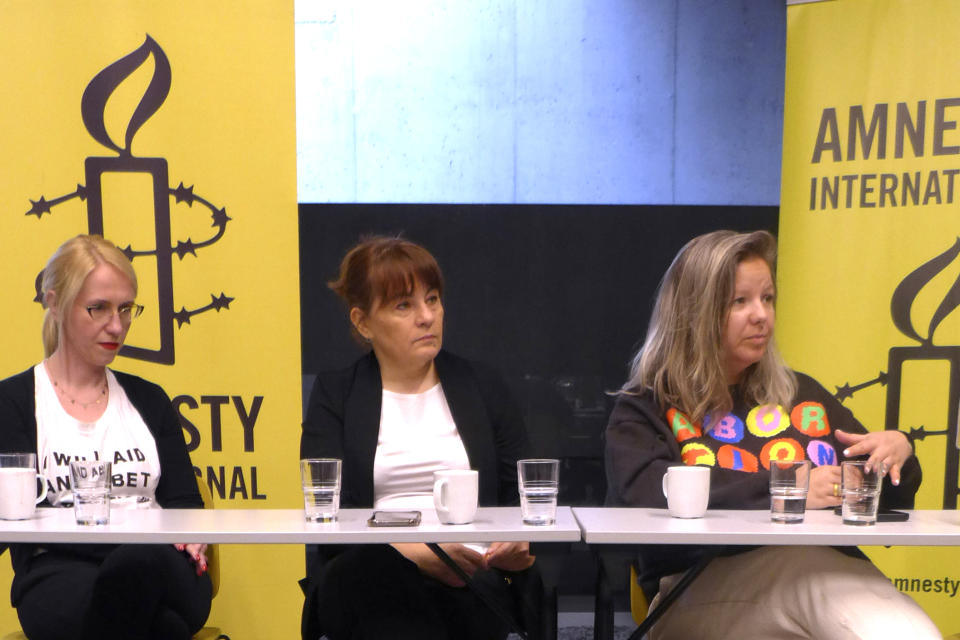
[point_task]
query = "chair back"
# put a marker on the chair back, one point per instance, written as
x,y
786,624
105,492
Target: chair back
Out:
x,y
639,605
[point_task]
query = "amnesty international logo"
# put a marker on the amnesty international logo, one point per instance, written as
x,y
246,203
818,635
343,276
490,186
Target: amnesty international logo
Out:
x,y
901,306
99,174
207,100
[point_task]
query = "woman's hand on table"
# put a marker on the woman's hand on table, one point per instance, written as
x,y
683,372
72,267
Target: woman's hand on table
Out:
x,y
508,556
824,488
197,553
888,450
430,564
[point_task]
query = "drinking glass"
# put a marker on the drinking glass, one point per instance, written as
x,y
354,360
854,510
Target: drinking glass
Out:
x,y
90,483
538,490
861,493
320,478
789,483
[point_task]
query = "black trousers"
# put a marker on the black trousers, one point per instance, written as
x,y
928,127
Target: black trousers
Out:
x,y
135,592
373,592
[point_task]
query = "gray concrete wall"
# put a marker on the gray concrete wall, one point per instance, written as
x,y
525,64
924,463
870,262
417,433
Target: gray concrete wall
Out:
x,y
540,101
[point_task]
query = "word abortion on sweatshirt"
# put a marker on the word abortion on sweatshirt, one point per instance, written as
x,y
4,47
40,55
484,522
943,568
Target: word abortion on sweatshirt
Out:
x,y
900,136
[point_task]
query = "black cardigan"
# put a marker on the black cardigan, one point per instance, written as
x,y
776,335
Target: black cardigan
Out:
x,y
177,487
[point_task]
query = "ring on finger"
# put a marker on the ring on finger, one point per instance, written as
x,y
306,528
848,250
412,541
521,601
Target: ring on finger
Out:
x,y
836,489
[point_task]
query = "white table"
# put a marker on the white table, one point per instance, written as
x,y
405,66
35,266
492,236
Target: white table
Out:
x,y
629,526
820,527
286,526
278,526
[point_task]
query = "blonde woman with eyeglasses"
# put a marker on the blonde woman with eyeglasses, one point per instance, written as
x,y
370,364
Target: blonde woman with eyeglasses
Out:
x,y
71,406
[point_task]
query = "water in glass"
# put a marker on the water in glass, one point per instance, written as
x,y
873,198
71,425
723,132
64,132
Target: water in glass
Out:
x,y
860,506
787,504
538,503
91,506
321,502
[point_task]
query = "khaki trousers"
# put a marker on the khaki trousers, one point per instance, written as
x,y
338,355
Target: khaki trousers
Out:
x,y
790,592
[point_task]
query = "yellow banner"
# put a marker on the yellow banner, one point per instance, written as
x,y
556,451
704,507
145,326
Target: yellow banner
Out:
x,y
869,252
170,128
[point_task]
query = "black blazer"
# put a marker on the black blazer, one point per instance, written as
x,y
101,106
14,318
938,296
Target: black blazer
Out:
x,y
343,421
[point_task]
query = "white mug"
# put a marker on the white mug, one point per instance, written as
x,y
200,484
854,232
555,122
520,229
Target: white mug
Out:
x,y
687,490
455,495
18,486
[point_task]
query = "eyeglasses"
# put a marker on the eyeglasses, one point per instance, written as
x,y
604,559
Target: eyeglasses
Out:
x,y
103,311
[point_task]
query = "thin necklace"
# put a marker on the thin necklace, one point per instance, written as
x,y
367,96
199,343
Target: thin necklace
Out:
x,y
83,405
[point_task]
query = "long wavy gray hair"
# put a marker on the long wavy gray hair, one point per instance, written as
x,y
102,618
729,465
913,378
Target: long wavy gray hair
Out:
x,y
681,358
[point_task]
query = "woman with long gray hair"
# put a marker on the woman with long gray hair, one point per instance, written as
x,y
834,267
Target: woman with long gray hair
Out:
x,y
709,388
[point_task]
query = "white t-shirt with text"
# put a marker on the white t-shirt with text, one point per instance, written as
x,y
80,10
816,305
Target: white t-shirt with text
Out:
x,y
120,436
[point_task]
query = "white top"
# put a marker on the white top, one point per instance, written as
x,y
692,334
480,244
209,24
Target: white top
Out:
x,y
119,436
417,437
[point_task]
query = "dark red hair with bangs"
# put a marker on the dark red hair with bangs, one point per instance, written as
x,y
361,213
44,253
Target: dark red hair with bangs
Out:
x,y
380,269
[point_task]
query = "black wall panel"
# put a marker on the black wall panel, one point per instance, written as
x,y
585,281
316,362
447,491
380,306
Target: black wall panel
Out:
x,y
556,297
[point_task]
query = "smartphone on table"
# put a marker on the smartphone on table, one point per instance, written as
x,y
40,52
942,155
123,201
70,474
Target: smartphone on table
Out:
x,y
394,519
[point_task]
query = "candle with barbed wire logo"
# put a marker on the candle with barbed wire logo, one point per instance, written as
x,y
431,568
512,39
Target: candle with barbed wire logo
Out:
x,y
900,307
149,175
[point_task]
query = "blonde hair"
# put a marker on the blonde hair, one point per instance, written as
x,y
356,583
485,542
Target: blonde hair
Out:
x,y
65,273
681,358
